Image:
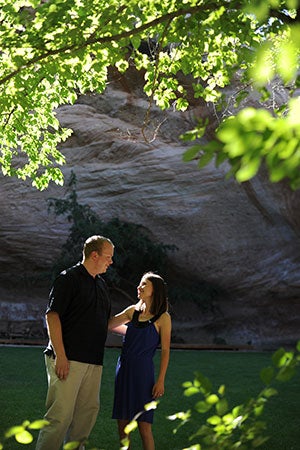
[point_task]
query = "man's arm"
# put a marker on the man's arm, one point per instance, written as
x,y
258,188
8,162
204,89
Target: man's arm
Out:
x,y
55,334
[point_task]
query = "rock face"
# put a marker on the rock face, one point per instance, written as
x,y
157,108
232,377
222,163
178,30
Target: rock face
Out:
x,y
242,238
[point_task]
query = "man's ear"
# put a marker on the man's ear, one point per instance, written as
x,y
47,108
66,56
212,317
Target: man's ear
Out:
x,y
94,255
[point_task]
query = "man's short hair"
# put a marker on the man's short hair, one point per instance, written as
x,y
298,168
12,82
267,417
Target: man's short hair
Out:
x,y
94,244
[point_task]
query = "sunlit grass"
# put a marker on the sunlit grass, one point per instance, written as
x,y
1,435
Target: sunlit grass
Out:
x,y
23,392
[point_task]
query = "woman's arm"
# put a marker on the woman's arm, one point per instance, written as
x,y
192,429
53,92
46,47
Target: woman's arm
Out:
x,y
116,322
165,327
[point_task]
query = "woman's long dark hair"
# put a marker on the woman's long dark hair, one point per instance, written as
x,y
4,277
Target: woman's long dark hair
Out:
x,y
159,303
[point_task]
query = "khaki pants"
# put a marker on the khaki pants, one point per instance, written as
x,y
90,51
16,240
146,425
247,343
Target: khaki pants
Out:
x,y
72,405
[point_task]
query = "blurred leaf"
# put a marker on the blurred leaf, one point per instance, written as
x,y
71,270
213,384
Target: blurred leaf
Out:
x,y
24,437
13,431
202,407
191,153
38,424
286,374
222,407
263,69
151,405
184,416
205,383
248,170
221,389
281,357
71,445
267,375
191,391
269,392
287,61
131,427
205,159
212,399
214,420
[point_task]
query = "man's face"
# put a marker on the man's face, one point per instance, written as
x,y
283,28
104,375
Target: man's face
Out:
x,y
105,257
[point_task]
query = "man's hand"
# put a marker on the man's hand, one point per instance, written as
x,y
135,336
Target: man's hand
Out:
x,y
62,367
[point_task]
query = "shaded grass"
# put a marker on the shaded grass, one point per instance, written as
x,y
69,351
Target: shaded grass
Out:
x,y
23,392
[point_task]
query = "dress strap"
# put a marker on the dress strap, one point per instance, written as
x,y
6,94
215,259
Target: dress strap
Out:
x,y
144,323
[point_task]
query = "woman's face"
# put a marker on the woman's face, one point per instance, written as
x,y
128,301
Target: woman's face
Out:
x,y
145,289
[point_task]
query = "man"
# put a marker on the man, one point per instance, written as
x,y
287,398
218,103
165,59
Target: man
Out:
x,y
77,317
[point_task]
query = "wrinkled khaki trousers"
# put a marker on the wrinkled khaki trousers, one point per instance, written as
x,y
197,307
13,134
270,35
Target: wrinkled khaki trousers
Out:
x,y
72,405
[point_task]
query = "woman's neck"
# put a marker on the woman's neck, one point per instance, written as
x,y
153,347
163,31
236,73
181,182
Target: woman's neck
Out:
x,y
145,307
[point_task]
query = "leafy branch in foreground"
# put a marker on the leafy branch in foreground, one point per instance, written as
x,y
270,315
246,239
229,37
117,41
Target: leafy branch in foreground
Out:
x,y
240,427
52,51
22,433
251,138
125,443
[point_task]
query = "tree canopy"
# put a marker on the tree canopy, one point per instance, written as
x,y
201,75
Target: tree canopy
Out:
x,y
54,50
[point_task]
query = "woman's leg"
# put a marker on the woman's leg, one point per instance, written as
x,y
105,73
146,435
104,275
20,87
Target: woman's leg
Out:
x,y
121,426
145,430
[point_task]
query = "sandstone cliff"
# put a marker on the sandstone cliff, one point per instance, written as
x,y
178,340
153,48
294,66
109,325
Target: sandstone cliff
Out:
x,y
242,238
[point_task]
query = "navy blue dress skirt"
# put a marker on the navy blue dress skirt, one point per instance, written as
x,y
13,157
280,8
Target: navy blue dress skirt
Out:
x,y
135,371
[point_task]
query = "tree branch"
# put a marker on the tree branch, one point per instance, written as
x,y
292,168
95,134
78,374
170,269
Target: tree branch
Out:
x,y
103,40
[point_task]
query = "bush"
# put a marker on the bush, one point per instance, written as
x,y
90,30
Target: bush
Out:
x,y
135,250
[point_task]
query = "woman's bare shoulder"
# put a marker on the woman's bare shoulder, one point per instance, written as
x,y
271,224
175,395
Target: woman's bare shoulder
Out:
x,y
165,317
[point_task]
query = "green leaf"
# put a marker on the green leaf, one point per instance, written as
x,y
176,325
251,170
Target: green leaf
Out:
x,y
280,357
212,399
191,391
71,445
13,431
248,169
266,375
24,437
287,61
269,392
131,427
258,410
202,407
205,158
222,407
38,424
181,104
191,153
221,389
204,382
136,41
150,405
214,420
286,374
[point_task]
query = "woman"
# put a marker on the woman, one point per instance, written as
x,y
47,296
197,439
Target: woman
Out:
x,y
148,324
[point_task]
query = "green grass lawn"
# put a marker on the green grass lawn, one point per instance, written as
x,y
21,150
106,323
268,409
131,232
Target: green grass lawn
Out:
x,y
23,391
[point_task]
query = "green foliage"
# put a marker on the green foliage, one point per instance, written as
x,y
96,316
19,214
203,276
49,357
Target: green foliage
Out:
x,y
253,137
203,294
133,425
240,427
52,51
135,251
22,433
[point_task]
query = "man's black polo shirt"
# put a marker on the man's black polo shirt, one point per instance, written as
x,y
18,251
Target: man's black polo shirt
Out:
x,y
84,308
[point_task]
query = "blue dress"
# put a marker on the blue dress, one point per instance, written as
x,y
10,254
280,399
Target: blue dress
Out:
x,y
135,370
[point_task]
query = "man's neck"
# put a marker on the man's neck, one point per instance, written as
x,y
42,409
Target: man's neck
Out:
x,y
89,267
